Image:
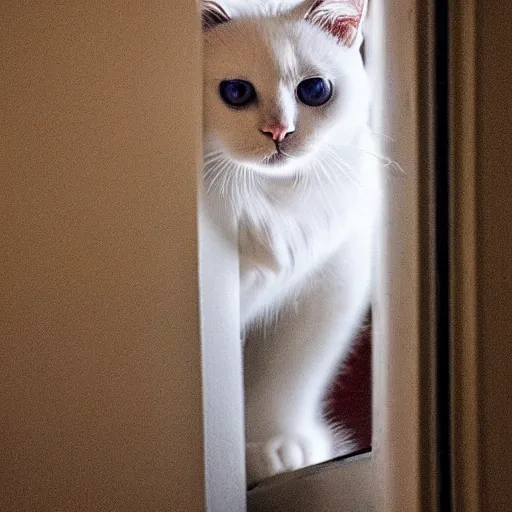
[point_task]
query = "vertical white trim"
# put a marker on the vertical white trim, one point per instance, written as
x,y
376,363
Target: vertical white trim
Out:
x,y
222,367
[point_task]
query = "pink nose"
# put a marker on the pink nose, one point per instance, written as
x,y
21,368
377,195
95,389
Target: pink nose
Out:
x,y
277,131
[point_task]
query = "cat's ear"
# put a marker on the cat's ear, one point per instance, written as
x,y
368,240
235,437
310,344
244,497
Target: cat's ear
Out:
x,y
341,18
212,14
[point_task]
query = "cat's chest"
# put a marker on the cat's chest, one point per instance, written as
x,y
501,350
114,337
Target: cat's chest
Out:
x,y
278,256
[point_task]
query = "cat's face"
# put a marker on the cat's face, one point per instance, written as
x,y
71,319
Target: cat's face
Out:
x,y
278,89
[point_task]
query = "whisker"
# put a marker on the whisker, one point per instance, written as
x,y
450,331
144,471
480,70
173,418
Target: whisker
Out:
x,y
342,166
319,170
211,168
215,179
217,171
212,160
379,134
338,158
383,159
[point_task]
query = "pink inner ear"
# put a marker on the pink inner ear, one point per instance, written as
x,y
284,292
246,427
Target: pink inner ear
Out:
x,y
345,29
341,18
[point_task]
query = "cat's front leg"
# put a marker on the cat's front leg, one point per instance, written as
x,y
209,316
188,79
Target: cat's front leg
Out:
x,y
289,363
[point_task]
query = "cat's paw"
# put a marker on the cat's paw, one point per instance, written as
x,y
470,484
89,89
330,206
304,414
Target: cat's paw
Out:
x,y
285,453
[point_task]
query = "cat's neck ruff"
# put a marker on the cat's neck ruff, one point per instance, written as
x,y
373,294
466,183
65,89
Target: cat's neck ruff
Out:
x,y
335,178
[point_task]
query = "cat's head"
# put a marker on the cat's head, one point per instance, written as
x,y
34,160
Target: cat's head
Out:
x,y
280,86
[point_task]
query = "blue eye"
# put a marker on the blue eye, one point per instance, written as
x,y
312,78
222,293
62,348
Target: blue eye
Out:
x,y
237,93
314,91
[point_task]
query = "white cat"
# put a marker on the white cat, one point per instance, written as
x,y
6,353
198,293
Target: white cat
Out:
x,y
288,153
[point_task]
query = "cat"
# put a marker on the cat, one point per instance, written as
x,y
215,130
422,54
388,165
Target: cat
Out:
x,y
288,156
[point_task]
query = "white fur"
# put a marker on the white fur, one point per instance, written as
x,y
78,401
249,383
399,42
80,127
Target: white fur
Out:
x,y
305,226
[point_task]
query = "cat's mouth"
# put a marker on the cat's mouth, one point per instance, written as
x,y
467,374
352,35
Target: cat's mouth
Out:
x,y
276,158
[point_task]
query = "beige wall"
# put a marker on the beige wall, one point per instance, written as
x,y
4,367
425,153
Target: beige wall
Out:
x,y
100,390
494,210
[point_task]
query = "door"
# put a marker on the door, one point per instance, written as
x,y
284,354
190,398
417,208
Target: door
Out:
x,y
101,386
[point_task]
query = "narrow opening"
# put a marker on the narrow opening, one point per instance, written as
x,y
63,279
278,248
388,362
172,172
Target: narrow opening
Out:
x,y
290,157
